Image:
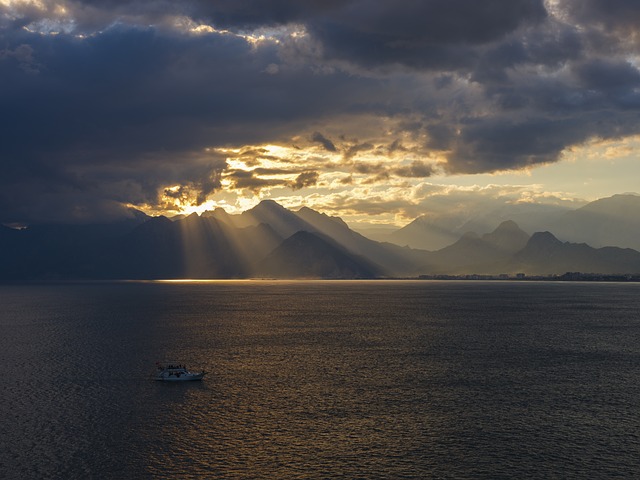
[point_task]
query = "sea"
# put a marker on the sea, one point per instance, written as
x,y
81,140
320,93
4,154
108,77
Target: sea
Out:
x,y
321,379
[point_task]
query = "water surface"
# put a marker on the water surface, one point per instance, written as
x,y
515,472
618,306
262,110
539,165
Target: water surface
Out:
x,y
321,380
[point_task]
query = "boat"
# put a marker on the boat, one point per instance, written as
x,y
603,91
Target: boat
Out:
x,y
176,372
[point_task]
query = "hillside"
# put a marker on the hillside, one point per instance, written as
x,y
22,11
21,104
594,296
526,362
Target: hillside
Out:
x,y
489,253
270,240
611,221
307,255
545,254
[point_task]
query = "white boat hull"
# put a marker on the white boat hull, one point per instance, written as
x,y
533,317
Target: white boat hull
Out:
x,y
174,372
182,378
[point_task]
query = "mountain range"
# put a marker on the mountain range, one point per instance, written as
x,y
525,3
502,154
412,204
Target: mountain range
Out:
x,y
274,242
611,221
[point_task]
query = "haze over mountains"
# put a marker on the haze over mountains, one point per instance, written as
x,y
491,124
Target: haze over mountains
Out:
x,y
435,231
612,221
272,241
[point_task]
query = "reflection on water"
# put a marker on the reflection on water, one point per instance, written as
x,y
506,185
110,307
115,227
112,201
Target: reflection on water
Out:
x,y
321,379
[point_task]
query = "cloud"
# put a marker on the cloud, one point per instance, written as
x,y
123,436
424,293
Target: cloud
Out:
x,y
417,169
257,179
242,179
612,16
351,150
305,179
139,107
436,34
324,141
605,75
452,205
23,55
111,103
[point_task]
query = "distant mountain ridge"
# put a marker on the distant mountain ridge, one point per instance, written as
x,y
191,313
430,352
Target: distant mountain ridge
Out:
x,y
544,254
490,253
272,241
433,232
611,221
308,255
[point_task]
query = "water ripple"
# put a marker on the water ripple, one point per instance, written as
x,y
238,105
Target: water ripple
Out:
x,y
321,380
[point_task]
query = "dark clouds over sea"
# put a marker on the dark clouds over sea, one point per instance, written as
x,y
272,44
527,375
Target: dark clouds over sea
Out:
x,y
105,103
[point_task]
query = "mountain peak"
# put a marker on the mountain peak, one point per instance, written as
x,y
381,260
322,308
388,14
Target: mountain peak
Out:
x,y
216,212
136,214
508,226
610,221
544,239
268,204
306,254
508,237
154,224
192,219
313,217
283,221
610,205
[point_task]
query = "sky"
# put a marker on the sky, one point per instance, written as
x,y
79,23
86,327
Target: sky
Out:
x,y
374,111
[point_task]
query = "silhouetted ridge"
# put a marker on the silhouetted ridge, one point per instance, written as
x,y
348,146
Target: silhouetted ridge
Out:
x,y
486,254
545,254
307,214
543,241
154,225
283,221
219,214
152,250
271,240
507,238
306,255
507,228
427,233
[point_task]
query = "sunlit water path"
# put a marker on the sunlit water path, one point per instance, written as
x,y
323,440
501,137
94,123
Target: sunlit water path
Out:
x,y
321,380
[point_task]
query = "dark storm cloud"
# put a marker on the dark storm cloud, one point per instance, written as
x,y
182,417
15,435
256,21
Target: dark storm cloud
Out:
x,y
425,34
369,168
548,45
103,111
258,13
440,136
124,111
604,75
430,32
305,179
324,141
505,143
611,14
396,146
416,169
351,150
246,179
117,116
251,179
433,33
